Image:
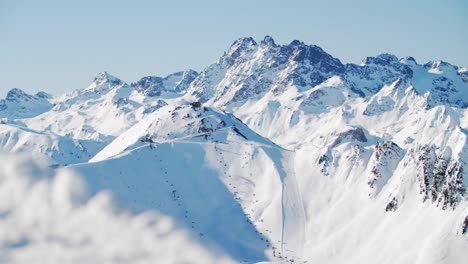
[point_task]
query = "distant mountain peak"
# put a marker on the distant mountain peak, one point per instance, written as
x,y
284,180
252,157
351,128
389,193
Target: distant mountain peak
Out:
x,y
105,77
103,81
382,59
440,66
296,42
16,94
175,82
238,47
19,104
268,41
44,95
245,41
410,61
182,74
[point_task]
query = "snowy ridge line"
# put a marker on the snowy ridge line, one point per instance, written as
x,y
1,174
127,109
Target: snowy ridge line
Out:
x,y
181,140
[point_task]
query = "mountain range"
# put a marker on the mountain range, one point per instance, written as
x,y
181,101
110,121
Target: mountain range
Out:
x,y
273,153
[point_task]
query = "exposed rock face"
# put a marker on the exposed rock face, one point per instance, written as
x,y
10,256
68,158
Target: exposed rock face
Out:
x,y
149,86
386,157
440,178
153,86
392,205
324,162
279,67
465,225
354,134
374,72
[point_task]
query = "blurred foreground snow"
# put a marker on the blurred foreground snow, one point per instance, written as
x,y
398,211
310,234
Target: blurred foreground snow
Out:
x,y
48,217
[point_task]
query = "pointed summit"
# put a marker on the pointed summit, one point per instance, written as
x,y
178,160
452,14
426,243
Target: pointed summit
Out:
x,y
241,44
190,72
382,59
408,61
268,41
105,77
244,42
15,94
237,48
295,43
44,95
103,81
19,104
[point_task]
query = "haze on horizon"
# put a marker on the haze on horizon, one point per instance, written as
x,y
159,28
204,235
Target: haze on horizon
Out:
x,y
58,46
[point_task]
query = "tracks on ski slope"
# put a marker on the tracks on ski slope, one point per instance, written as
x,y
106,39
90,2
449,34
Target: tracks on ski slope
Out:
x,y
292,208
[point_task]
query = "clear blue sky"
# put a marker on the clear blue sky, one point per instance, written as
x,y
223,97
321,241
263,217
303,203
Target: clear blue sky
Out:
x,y
59,46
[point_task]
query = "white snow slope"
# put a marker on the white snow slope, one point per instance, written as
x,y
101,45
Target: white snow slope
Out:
x,y
274,153
50,217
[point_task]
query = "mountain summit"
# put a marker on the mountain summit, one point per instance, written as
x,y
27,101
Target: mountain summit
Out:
x,y
251,70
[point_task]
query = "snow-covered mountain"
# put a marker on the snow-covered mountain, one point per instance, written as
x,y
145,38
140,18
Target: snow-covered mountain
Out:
x,y
273,153
155,86
19,104
104,109
46,146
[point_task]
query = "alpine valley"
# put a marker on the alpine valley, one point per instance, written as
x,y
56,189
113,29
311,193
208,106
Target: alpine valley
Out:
x,y
272,154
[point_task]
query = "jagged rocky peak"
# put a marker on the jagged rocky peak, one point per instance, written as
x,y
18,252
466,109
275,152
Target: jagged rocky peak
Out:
x,y
375,72
179,81
105,77
316,56
237,48
409,61
175,82
44,95
242,43
103,82
440,66
437,64
296,43
312,65
384,103
149,86
442,83
189,74
382,59
300,52
282,54
276,68
392,61
16,94
268,41
249,71
19,104
183,74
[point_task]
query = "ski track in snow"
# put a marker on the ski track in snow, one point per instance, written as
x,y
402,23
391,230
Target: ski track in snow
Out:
x,y
293,216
